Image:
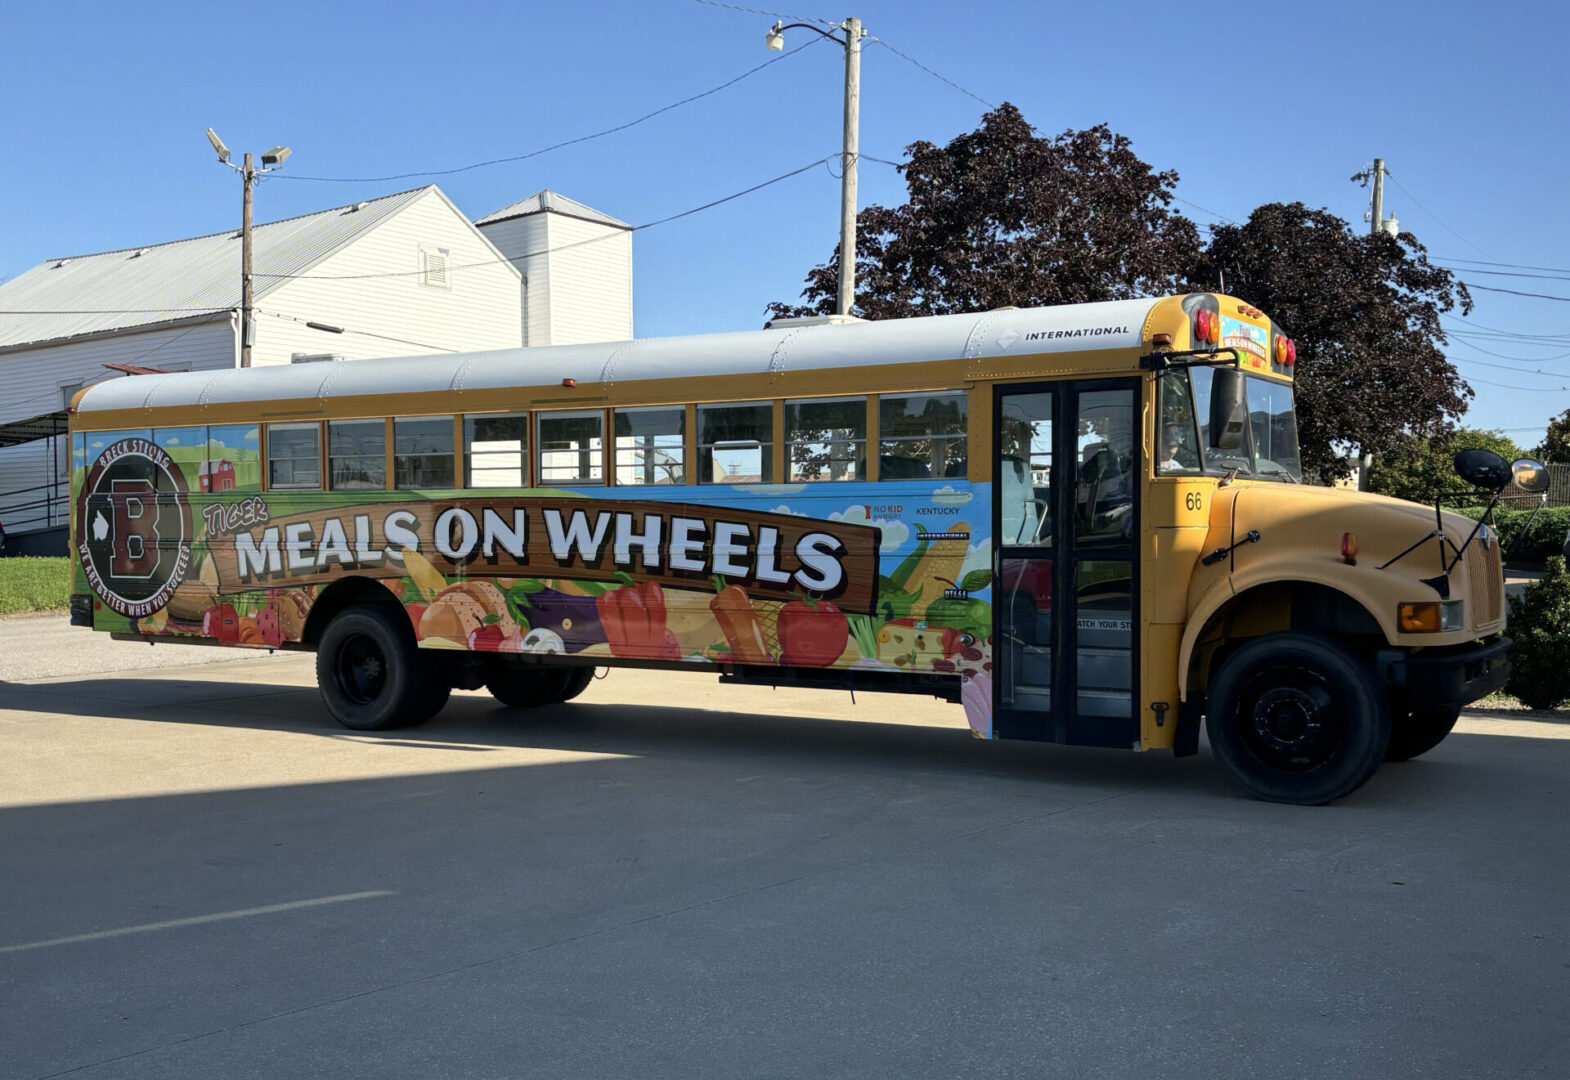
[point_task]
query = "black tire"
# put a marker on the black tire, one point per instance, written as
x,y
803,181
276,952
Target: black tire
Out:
x,y
1417,733
527,687
371,674
1296,718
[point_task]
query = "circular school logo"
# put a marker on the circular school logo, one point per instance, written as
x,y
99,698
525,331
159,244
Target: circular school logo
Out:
x,y
134,527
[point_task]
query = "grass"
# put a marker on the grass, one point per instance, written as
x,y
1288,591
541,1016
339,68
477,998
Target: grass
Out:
x,y
34,584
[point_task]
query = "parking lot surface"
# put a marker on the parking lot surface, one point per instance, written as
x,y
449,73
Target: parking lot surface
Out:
x,y
204,877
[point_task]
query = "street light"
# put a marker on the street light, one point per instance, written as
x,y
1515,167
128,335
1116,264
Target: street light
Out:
x,y
775,41
272,159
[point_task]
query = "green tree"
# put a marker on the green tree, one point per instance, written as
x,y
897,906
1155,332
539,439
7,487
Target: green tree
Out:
x,y
1364,311
1420,468
1556,447
1002,215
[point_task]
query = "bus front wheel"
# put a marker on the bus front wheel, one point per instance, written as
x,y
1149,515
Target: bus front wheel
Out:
x,y
1415,733
1297,718
525,687
371,674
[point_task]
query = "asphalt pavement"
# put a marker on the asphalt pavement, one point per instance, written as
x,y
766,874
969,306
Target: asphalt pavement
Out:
x,y
203,877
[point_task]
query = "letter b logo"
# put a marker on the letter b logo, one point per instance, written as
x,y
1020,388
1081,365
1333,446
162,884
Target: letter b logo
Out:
x,y
133,532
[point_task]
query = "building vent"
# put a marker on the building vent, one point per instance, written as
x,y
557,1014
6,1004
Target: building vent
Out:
x,y
313,358
433,268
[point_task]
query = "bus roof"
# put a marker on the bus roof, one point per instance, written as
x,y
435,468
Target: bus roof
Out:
x,y
1010,332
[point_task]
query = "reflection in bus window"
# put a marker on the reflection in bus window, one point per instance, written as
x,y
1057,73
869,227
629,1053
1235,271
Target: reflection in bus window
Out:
x,y
572,447
735,443
422,452
1025,467
826,438
357,455
650,445
1178,450
921,435
1274,430
1103,477
496,450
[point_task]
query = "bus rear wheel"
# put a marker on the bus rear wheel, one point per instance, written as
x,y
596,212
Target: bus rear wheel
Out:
x,y
370,672
526,687
1297,718
1415,733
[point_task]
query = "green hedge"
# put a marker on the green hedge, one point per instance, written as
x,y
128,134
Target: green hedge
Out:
x,y
33,584
1546,539
1540,626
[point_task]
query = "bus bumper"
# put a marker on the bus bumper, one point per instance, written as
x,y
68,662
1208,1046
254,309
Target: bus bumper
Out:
x,y
1447,679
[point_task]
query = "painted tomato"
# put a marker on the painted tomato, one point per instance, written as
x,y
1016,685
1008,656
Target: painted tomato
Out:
x,y
812,633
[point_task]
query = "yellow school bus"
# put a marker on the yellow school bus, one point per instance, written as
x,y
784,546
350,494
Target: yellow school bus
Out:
x,y
1085,524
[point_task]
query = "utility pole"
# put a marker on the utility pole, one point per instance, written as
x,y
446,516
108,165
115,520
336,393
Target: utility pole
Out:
x,y
1377,218
853,34
1376,225
271,161
851,27
248,178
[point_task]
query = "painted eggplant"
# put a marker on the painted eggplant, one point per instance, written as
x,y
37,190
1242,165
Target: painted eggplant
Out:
x,y
573,618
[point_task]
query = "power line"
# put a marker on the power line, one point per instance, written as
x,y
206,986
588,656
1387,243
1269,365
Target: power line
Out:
x,y
1509,386
1435,216
361,333
1515,266
1505,273
563,247
760,11
934,74
1515,292
554,146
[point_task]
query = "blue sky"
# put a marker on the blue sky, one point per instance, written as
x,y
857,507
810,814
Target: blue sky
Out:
x,y
103,144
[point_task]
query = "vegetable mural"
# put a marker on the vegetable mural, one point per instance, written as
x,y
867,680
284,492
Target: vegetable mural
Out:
x,y
704,575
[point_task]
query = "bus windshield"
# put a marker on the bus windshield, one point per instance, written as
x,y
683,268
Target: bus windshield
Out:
x,y
1269,450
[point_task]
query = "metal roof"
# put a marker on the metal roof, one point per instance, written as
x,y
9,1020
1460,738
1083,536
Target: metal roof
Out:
x,y
550,202
1010,332
181,279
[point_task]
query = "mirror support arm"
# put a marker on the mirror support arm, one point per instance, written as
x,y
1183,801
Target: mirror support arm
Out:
x,y
1166,359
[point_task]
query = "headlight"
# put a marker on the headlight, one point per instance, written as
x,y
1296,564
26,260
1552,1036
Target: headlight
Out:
x,y
1430,617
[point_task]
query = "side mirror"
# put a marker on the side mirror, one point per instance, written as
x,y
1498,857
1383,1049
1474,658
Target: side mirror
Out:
x,y
1228,409
1485,469
1530,476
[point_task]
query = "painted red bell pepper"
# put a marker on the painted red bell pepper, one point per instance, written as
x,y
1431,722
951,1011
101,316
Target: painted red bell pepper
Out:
x,y
633,618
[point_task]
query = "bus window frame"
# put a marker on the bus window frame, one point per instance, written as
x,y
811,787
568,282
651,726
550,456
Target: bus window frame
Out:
x,y
542,415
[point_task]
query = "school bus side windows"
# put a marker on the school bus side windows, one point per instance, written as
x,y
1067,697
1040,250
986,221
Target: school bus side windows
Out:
x,y
826,438
294,457
571,447
736,443
496,450
921,436
422,452
651,445
357,455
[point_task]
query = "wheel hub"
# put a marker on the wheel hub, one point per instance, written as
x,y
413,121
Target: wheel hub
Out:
x,y
1293,724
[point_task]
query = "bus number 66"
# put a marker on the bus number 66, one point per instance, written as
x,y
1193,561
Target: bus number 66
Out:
x,y
1194,500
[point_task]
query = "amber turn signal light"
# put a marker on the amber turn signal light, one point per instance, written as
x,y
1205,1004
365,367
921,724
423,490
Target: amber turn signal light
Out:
x,y
1349,547
1428,617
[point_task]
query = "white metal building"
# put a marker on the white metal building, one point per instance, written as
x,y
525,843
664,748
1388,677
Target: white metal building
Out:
x,y
576,264
394,276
